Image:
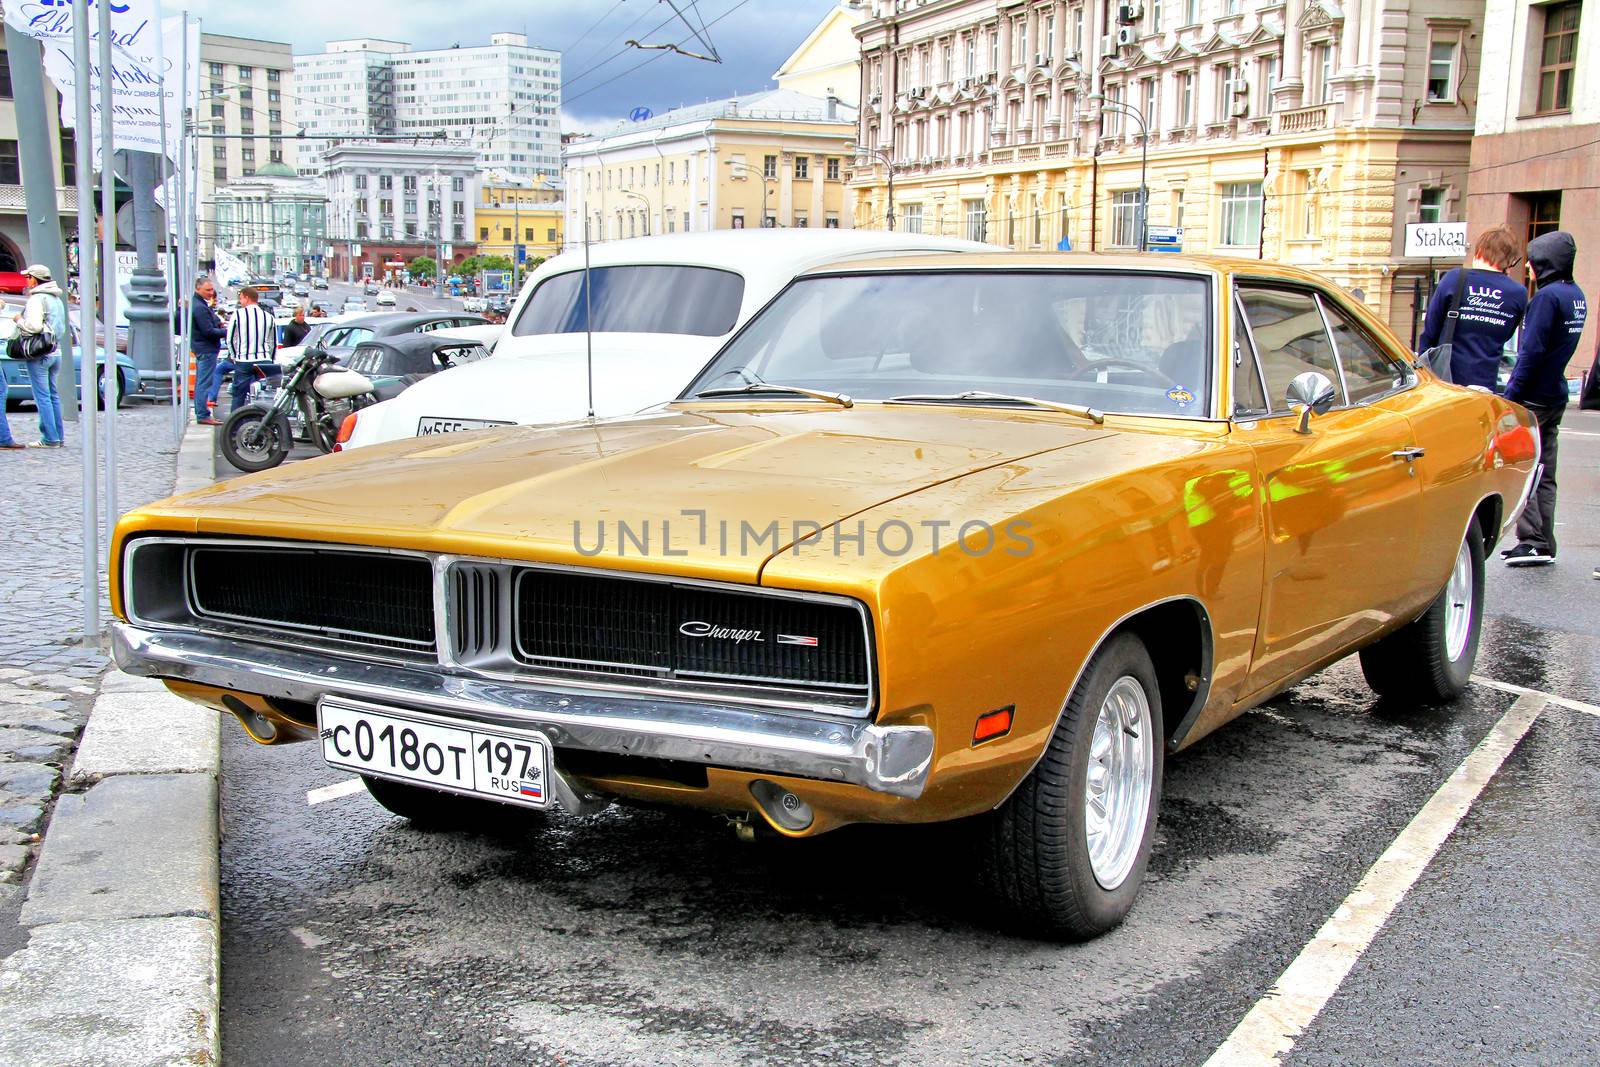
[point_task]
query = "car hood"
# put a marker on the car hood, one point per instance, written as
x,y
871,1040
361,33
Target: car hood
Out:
x,y
545,380
696,491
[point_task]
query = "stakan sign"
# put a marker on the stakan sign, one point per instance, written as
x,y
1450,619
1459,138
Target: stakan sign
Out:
x,y
1436,240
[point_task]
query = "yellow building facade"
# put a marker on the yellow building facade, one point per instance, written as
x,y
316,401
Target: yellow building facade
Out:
x,y
1307,132
774,158
508,215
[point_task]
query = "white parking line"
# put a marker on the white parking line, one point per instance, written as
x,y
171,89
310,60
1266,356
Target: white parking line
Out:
x,y
1522,690
348,787
1271,1028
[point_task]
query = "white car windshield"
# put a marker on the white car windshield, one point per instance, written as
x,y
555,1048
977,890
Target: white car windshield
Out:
x,y
700,301
1124,341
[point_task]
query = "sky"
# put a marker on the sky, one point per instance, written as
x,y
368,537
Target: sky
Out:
x,y
752,36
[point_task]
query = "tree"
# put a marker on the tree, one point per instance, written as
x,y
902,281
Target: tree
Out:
x,y
423,267
469,267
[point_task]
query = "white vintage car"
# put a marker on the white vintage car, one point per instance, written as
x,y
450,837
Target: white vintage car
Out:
x,y
661,307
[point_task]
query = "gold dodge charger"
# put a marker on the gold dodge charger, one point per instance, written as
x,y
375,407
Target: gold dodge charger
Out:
x,y
930,539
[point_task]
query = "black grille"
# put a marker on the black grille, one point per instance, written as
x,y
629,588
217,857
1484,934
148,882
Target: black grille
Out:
x,y
367,599
653,627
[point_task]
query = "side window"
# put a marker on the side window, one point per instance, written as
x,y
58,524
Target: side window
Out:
x,y
1249,398
1368,370
1290,338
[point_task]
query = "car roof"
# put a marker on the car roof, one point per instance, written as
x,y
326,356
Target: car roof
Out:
x,y
1166,262
401,321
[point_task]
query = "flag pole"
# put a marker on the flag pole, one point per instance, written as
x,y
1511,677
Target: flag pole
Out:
x,y
84,151
108,253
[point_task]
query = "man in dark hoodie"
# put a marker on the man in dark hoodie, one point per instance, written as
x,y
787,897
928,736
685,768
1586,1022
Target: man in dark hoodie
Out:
x,y
205,341
1550,331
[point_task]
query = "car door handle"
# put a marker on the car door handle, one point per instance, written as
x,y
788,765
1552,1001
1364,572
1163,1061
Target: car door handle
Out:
x,y
1408,454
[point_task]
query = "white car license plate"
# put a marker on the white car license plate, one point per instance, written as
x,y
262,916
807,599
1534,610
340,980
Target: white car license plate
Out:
x,y
508,765
439,424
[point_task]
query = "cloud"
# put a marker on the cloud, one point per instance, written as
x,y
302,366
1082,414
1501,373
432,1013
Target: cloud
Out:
x,y
603,79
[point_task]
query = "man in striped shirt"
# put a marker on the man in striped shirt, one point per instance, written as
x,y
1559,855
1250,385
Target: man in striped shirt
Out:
x,y
253,342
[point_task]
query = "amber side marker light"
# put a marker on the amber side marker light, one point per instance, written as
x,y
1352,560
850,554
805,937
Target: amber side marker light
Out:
x,y
346,428
993,724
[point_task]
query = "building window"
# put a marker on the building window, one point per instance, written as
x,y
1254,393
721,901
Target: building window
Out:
x,y
738,218
1124,219
977,219
218,111
1442,70
911,218
1225,88
1322,71
949,63
458,184
411,207
408,183
831,222
69,159
386,181
385,207
1155,16
219,174
1241,215
686,214
1557,57
802,168
1147,101
1185,99
483,233
246,73
994,51
1191,12
458,231
216,70
1430,205
1544,213
10,164
1269,82
769,166
550,234
274,74
801,222
1177,208
833,168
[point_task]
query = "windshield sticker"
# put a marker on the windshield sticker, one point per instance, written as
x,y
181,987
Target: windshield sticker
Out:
x,y
1180,396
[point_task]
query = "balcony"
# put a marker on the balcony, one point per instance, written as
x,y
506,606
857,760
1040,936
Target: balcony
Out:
x,y
1304,119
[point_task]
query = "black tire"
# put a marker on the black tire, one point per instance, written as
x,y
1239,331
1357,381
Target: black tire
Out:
x,y
254,439
1035,852
1414,664
430,809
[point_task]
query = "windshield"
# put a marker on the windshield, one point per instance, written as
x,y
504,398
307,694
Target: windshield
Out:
x,y
700,301
1131,342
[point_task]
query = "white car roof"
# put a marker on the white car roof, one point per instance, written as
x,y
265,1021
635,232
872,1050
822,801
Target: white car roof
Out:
x,y
768,259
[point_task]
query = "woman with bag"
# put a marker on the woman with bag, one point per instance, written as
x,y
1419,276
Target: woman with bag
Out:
x,y
1474,312
40,328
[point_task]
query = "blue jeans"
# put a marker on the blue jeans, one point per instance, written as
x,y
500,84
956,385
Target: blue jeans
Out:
x,y
207,383
42,379
245,375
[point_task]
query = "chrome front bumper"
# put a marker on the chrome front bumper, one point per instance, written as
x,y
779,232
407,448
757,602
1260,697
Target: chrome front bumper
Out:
x,y
885,759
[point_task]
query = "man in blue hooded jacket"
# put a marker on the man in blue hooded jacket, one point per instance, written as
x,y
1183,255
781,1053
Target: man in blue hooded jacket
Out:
x,y
1550,331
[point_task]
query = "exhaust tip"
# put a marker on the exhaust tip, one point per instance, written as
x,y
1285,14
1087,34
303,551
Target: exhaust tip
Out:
x,y
261,729
784,809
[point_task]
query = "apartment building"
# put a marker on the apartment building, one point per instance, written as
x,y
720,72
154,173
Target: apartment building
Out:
x,y
1307,131
247,116
502,98
1534,158
773,158
513,218
389,202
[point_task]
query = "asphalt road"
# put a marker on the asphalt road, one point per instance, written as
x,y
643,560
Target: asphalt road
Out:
x,y
413,297
639,936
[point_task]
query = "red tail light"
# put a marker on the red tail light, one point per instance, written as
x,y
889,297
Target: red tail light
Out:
x,y
346,428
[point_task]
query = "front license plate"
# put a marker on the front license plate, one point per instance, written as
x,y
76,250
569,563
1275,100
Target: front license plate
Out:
x,y
429,424
508,765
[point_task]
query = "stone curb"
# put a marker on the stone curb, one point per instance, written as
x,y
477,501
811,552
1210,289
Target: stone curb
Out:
x,y
123,960
195,459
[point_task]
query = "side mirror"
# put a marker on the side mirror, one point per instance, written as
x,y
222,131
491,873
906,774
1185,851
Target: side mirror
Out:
x,y
1313,393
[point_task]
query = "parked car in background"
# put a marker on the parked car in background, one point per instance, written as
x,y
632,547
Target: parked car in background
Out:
x,y
968,539
397,362
474,303
386,298
342,337
661,306
13,282
370,288
18,392
353,305
319,283
302,289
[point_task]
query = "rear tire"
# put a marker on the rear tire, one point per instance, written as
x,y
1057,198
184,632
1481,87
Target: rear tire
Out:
x,y
430,809
1430,660
254,439
1040,859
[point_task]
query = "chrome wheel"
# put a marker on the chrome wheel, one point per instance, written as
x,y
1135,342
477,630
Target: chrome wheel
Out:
x,y
1117,787
1458,605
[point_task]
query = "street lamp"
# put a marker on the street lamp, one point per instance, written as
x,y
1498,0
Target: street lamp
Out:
x,y
1144,146
643,200
744,175
888,165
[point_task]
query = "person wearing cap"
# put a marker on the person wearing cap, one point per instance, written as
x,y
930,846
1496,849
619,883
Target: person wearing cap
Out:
x,y
46,307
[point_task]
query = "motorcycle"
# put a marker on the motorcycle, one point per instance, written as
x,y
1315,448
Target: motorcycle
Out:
x,y
315,393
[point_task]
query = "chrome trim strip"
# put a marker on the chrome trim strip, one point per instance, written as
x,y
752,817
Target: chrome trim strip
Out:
x,y
885,759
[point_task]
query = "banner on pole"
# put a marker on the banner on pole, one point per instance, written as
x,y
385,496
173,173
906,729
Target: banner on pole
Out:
x,y
136,67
